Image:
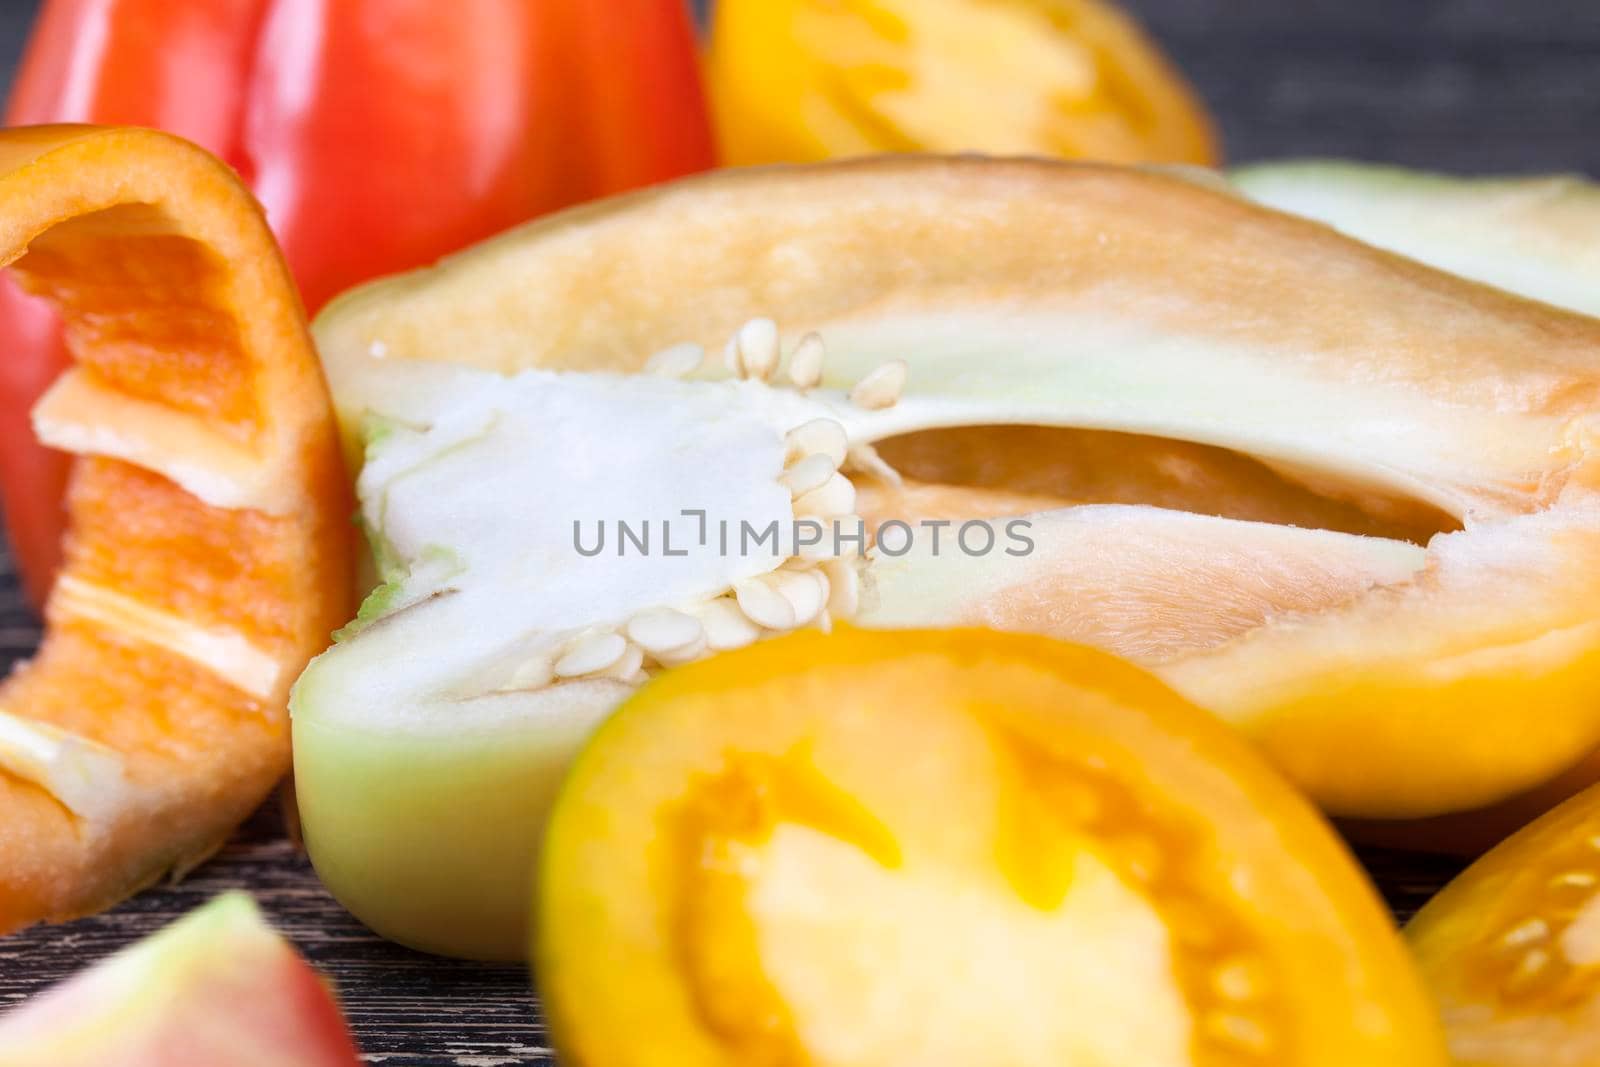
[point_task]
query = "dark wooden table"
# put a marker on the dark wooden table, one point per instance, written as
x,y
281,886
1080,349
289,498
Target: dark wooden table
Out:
x,y
1467,85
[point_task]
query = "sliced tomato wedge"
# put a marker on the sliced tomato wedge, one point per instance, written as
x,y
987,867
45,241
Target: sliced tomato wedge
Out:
x,y
218,988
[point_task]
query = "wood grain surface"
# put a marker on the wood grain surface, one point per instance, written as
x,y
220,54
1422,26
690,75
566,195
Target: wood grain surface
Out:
x,y
1464,85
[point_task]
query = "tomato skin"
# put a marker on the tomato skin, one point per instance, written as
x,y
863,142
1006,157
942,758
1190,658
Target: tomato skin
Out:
x,y
219,987
378,134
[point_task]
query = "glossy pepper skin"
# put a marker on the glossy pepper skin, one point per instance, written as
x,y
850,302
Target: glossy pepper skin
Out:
x,y
378,134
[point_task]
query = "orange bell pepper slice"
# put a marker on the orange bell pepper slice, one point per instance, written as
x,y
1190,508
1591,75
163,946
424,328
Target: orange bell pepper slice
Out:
x,y
209,553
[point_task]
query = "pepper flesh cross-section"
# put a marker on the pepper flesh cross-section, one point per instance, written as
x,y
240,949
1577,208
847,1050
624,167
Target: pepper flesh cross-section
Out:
x,y
209,552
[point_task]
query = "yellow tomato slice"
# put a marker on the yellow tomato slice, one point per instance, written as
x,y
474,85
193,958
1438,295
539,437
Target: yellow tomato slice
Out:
x,y
1511,948
951,848
806,80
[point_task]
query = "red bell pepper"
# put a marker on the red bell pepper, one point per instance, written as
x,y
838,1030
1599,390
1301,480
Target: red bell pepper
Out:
x,y
378,134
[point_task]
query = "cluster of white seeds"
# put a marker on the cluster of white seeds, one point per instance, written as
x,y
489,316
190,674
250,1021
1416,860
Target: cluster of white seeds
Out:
x,y
812,588
755,352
